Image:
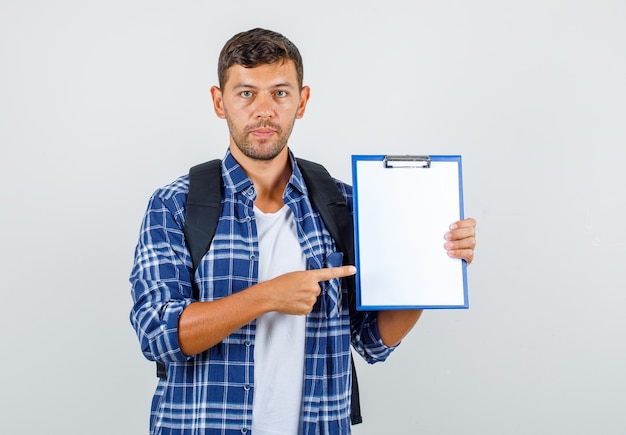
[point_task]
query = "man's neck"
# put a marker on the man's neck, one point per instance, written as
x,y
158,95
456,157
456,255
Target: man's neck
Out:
x,y
270,177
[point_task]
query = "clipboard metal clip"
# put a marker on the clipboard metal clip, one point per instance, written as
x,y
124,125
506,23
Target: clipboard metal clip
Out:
x,y
407,161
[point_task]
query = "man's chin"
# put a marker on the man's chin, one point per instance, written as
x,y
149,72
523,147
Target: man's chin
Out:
x,y
262,151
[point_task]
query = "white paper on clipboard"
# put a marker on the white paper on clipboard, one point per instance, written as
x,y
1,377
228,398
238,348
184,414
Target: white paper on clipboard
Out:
x,y
403,206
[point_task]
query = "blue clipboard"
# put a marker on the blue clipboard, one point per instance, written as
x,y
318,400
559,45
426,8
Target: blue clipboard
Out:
x,y
403,206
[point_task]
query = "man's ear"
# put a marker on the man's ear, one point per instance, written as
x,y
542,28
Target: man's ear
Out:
x,y
305,93
218,102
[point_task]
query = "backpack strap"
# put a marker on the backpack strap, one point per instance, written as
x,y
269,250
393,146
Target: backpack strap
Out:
x,y
332,206
206,190
330,203
202,214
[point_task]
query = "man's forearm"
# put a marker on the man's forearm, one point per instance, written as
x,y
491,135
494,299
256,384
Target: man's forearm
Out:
x,y
394,325
204,324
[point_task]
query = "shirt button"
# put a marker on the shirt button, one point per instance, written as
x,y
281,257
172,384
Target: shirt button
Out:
x,y
247,342
246,387
244,430
253,257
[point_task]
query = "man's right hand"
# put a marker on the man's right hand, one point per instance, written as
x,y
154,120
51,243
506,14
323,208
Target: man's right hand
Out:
x,y
296,292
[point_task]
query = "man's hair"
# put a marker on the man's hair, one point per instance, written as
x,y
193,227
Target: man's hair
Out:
x,y
257,47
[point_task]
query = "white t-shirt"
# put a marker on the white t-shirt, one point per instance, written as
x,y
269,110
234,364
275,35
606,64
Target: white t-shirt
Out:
x,y
279,346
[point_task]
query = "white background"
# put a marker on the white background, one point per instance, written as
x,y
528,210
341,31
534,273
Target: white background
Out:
x,y
102,102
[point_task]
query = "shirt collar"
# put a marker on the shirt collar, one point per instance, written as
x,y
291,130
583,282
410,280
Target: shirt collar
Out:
x,y
296,180
235,178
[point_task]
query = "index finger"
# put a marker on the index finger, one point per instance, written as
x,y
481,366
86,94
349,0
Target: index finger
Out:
x,y
333,272
464,223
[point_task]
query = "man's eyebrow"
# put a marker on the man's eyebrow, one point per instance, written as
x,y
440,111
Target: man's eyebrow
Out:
x,y
243,85
284,85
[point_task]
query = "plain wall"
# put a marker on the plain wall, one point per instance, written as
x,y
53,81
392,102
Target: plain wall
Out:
x,y
103,102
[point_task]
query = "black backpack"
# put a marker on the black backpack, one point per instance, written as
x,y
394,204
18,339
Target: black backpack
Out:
x,y
203,212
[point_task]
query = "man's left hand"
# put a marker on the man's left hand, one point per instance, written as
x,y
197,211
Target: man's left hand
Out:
x,y
461,239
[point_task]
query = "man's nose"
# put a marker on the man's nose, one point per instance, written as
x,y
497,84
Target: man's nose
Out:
x,y
264,107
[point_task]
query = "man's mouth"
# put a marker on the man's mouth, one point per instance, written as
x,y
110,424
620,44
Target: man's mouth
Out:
x,y
263,132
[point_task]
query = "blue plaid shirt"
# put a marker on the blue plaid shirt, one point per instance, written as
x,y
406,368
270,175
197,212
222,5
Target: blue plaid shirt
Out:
x,y
212,392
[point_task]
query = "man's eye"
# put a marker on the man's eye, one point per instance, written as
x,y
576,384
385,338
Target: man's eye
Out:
x,y
246,94
281,93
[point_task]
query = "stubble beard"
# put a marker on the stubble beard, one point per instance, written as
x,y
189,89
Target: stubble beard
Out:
x,y
262,149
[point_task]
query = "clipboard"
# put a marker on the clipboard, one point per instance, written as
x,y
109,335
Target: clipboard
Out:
x,y
403,206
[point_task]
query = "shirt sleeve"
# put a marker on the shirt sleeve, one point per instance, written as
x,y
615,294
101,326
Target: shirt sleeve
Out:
x,y
366,337
161,280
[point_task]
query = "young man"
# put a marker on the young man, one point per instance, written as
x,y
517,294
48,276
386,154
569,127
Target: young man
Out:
x,y
266,346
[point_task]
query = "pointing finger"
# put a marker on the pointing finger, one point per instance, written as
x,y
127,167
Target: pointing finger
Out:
x,y
333,272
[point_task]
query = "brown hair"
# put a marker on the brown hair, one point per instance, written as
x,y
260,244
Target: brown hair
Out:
x,y
256,47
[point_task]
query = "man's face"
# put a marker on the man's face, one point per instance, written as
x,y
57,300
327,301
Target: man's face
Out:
x,y
260,105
